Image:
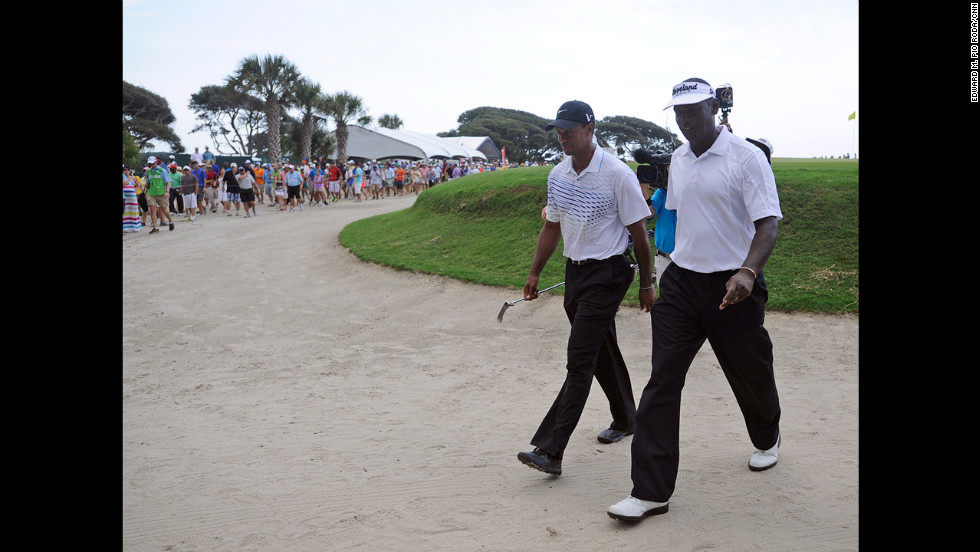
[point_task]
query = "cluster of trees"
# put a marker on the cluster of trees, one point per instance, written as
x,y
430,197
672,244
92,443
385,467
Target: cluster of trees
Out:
x,y
524,136
267,108
146,117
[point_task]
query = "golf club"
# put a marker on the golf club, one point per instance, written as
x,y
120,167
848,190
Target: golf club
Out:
x,y
508,304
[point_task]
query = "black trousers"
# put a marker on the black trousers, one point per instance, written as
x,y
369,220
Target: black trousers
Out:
x,y
593,294
685,314
175,195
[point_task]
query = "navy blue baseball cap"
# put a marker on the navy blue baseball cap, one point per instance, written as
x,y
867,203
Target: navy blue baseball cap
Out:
x,y
571,114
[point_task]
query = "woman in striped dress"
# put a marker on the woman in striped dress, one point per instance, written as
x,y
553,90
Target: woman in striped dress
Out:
x,y
131,206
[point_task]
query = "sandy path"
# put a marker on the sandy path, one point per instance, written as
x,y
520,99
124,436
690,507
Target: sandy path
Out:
x,y
280,395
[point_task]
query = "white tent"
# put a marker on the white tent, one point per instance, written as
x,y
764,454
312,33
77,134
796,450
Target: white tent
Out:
x,y
481,143
383,143
366,144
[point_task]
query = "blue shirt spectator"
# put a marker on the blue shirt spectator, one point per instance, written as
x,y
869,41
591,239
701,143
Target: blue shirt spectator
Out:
x,y
293,178
201,175
663,229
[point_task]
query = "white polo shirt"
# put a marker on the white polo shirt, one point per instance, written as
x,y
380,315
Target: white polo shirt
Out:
x,y
595,207
718,197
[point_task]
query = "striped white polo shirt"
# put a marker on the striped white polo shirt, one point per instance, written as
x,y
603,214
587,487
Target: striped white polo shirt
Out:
x,y
595,207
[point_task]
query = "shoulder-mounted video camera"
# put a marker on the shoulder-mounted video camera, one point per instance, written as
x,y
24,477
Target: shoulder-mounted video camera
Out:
x,y
726,100
652,169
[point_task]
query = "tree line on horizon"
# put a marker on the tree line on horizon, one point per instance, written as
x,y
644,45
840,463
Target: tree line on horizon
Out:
x,y
267,108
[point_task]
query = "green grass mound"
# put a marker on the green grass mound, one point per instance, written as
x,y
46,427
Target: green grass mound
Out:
x,y
483,228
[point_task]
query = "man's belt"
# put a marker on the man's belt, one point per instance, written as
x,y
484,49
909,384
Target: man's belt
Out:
x,y
598,261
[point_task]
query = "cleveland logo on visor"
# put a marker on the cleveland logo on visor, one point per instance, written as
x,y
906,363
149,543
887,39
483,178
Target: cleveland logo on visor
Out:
x,y
685,87
689,92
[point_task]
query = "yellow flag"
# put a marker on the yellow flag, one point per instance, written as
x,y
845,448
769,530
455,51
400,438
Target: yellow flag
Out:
x,y
852,115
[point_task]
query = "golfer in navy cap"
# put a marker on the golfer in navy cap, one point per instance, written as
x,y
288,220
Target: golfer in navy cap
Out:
x,y
594,205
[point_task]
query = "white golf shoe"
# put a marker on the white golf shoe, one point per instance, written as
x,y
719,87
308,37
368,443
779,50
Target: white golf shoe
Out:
x,y
634,509
765,459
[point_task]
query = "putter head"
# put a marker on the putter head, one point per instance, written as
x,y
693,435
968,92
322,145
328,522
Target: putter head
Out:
x,y
503,309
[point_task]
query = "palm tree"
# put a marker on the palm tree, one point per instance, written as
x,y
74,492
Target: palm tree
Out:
x,y
273,79
310,101
345,107
394,122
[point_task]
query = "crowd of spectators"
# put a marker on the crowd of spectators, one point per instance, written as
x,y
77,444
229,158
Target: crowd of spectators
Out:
x,y
164,191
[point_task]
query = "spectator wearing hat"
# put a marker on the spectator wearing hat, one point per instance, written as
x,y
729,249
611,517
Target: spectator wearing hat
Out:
x,y
247,165
414,179
358,184
197,157
319,196
268,186
157,192
176,199
202,178
406,178
399,179
273,175
377,181
279,182
305,170
347,181
389,178
434,174
333,181
366,181
231,190
189,186
294,184
207,158
594,206
211,185
246,187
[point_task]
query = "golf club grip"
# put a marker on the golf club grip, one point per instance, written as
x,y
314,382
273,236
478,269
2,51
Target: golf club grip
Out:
x,y
540,292
552,287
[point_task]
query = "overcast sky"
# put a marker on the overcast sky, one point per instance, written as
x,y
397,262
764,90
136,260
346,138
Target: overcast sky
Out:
x,y
793,64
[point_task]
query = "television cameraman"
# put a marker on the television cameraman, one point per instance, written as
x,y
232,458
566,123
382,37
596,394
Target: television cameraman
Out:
x,y
727,211
653,172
